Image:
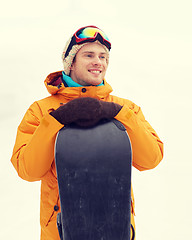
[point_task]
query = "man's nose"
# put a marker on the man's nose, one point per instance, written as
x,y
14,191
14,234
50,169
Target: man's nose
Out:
x,y
96,61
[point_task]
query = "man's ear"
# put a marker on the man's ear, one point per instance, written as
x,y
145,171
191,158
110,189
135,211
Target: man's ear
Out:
x,y
72,67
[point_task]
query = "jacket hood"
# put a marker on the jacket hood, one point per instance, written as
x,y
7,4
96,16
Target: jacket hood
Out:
x,y
54,85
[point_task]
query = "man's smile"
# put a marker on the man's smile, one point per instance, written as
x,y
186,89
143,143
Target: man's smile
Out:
x,y
94,71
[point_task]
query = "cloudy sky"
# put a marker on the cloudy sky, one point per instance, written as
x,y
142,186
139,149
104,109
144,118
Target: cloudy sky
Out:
x,y
150,64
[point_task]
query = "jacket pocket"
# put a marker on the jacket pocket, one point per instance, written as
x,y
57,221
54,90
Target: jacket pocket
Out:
x,y
49,199
53,215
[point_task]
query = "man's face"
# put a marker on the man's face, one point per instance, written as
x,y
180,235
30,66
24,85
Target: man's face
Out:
x,y
90,65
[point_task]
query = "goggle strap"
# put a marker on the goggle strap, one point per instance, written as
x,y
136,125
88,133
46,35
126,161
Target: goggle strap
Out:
x,y
72,42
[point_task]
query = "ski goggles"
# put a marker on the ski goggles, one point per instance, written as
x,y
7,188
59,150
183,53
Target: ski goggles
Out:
x,y
88,34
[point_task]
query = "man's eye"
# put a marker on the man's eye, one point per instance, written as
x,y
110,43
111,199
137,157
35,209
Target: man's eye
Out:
x,y
89,55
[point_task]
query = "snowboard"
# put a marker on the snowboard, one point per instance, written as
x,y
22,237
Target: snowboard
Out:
x,y
94,178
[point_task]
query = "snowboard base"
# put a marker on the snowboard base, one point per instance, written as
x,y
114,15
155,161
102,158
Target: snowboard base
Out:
x,y
94,177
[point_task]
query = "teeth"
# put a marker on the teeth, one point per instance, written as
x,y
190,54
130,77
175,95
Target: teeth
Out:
x,y
95,71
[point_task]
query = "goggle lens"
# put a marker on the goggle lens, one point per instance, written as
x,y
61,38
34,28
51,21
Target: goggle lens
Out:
x,y
90,32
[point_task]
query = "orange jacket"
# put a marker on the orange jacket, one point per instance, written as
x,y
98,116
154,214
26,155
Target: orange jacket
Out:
x,y
33,153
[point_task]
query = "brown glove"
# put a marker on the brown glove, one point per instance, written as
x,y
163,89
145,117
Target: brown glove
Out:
x,y
85,112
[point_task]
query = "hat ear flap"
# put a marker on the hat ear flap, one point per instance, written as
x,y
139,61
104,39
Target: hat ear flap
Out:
x,y
68,61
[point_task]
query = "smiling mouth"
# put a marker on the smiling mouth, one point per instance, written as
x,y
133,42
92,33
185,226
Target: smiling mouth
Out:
x,y
95,71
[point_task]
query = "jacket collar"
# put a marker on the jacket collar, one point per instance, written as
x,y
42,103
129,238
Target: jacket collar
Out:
x,y
54,85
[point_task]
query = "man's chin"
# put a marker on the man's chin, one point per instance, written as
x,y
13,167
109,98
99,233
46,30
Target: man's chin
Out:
x,y
95,82
91,82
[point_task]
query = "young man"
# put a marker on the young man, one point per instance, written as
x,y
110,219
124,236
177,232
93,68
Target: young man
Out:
x,y
78,94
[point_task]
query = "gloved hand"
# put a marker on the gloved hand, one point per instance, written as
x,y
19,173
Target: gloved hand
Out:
x,y
85,111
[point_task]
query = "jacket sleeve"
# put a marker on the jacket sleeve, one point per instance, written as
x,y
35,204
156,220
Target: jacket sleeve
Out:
x,y
33,152
147,148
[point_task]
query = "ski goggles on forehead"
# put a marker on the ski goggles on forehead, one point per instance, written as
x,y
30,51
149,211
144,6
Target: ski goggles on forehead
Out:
x,y
89,34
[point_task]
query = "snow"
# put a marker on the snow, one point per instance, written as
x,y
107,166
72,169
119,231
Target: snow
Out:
x,y
150,64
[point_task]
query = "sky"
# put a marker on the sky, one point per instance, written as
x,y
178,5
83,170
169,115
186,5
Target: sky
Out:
x,y
150,64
